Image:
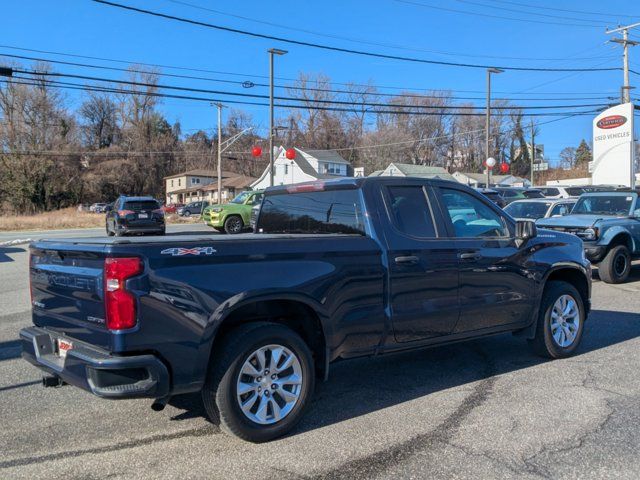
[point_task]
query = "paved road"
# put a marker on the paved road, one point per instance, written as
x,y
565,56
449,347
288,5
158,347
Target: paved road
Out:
x,y
180,229
486,409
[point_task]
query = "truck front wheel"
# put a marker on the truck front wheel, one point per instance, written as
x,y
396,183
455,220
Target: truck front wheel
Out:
x,y
259,382
233,224
616,266
560,321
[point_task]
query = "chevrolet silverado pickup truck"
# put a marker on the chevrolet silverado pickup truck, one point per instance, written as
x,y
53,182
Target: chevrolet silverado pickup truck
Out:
x,y
335,270
609,225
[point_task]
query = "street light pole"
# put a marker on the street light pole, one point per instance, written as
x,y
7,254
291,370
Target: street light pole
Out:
x,y
272,52
488,121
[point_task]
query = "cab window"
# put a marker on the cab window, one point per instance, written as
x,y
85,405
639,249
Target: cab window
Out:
x,y
470,217
410,211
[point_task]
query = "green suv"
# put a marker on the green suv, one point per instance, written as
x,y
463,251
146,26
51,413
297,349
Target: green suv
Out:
x,y
235,216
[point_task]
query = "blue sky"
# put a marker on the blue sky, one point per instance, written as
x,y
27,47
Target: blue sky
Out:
x,y
83,27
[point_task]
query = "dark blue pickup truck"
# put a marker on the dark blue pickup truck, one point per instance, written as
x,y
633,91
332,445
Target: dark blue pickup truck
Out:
x,y
335,270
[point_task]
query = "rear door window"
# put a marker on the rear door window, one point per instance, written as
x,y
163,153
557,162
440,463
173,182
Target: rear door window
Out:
x,y
410,211
331,211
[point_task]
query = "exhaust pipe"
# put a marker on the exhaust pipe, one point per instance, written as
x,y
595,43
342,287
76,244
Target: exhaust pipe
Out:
x,y
52,381
159,404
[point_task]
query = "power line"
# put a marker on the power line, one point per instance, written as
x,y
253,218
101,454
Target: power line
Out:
x,y
488,15
200,70
546,15
555,9
361,41
318,101
188,153
289,87
71,86
340,49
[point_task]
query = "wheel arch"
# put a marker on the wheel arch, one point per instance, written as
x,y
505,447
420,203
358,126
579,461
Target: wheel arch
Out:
x,y
300,314
572,274
618,236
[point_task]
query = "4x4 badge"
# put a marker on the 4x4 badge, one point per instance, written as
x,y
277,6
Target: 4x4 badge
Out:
x,y
179,252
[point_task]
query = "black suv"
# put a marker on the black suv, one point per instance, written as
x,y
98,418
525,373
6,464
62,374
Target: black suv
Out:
x,y
135,215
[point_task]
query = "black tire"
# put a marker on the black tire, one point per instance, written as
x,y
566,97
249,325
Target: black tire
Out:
x,y
616,265
219,393
233,224
544,343
186,213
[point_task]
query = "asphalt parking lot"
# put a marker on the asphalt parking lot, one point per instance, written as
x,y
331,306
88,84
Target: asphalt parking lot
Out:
x,y
485,409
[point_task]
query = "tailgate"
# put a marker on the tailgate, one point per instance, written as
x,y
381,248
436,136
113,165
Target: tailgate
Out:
x,y
67,291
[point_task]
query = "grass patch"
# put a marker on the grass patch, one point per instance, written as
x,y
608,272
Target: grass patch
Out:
x,y
66,218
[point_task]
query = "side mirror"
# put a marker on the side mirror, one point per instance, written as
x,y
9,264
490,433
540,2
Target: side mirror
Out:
x,y
525,230
636,213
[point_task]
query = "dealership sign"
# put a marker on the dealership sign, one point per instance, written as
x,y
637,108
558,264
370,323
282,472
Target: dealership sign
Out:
x,y
613,146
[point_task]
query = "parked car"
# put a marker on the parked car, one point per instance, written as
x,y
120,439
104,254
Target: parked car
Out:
x,y
235,216
171,207
135,215
493,195
344,268
563,191
536,208
511,194
97,207
609,225
193,208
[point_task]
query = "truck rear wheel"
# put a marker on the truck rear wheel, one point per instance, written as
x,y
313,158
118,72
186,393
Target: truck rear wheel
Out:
x,y
560,321
260,382
616,266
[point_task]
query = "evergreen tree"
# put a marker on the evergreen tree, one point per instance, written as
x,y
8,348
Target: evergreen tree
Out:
x,y
583,155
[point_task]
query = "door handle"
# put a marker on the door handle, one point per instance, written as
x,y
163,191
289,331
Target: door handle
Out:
x,y
469,256
407,260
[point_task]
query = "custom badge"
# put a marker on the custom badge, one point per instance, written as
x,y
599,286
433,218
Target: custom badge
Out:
x,y
180,252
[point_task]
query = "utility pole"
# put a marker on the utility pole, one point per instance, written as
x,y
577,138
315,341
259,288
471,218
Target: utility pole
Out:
x,y
533,150
222,146
272,52
488,122
626,43
220,106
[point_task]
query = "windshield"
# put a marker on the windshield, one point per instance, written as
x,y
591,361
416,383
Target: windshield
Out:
x,y
241,198
603,204
576,191
137,205
532,210
533,194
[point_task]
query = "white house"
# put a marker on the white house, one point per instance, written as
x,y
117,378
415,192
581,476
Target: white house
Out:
x,y
307,166
477,180
410,170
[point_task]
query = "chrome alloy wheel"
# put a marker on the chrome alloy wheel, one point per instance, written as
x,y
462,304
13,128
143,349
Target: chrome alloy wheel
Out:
x,y
269,384
565,321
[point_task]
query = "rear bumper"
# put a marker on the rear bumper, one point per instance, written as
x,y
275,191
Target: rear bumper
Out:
x,y
95,370
157,228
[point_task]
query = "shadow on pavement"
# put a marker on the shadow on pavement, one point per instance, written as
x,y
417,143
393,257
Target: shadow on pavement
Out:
x,y
4,251
362,386
10,349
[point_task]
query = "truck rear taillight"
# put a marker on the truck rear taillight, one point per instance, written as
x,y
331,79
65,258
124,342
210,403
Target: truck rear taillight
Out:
x,y
120,304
